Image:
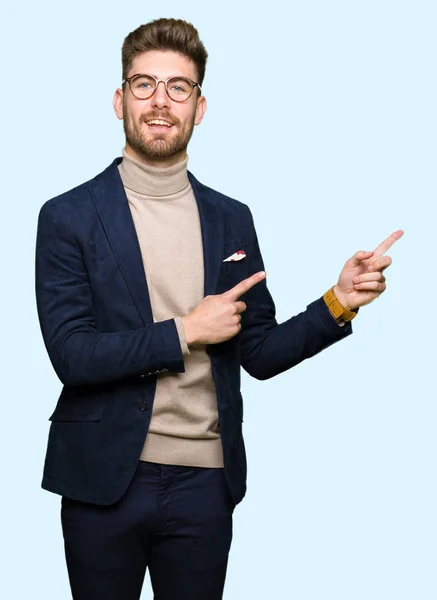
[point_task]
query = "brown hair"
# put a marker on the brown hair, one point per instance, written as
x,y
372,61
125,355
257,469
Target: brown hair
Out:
x,y
165,34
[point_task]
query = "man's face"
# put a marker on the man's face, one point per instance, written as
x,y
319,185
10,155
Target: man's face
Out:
x,y
159,144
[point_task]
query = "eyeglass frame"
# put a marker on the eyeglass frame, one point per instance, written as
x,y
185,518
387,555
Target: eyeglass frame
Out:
x,y
164,81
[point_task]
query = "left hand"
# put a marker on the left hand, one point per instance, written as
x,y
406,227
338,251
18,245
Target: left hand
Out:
x,y
361,280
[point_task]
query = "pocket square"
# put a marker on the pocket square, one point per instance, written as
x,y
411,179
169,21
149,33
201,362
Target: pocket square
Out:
x,y
239,255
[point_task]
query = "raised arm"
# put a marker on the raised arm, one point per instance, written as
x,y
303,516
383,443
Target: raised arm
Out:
x,y
269,348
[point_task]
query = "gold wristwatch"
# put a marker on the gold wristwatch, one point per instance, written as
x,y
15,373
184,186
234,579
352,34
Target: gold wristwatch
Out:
x,y
338,311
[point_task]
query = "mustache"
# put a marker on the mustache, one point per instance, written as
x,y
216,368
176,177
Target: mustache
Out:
x,y
163,115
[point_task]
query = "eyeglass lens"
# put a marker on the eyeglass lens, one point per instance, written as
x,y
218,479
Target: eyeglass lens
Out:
x,y
178,88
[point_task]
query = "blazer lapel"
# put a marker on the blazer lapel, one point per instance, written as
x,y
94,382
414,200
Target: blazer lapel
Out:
x,y
113,207
211,223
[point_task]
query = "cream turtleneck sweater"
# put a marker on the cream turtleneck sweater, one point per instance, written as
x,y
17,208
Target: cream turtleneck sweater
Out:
x,y
184,428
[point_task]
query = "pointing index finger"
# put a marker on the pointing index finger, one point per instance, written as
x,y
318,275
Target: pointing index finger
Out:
x,y
245,285
387,243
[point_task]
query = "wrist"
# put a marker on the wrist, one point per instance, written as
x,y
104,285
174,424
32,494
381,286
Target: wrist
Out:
x,y
341,297
342,313
190,336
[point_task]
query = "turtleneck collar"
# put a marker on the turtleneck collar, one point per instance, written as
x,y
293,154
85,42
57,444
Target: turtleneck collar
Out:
x,y
153,181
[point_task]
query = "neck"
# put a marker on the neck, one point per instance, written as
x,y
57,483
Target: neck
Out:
x,y
164,162
150,180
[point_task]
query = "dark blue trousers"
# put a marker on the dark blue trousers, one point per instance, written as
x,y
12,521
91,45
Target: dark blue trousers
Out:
x,y
177,521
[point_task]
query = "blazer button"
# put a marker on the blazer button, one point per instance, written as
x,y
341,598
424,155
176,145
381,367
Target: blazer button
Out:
x,y
143,405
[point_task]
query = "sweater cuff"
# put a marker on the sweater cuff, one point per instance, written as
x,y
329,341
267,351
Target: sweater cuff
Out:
x,y
181,333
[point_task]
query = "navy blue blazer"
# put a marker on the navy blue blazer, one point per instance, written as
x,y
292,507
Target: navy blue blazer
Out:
x,y
97,324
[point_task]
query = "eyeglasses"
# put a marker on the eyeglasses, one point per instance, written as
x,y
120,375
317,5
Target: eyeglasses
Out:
x,y
144,86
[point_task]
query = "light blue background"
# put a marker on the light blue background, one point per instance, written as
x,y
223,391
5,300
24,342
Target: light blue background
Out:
x,y
322,118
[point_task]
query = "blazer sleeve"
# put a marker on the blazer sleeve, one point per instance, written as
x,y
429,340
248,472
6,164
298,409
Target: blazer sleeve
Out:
x,y
79,354
269,348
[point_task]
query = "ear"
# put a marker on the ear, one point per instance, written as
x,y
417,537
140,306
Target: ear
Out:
x,y
117,103
200,110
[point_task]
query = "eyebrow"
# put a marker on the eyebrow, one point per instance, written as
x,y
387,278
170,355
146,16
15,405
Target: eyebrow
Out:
x,y
169,77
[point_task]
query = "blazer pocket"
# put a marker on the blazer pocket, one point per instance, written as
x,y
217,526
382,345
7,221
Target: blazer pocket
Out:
x,y
80,404
237,269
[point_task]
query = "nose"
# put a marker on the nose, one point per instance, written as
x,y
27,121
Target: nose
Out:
x,y
160,98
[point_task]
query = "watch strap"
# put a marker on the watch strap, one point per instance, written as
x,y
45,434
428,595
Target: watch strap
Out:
x,y
336,308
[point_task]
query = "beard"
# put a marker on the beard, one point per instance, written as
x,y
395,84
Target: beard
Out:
x,y
157,145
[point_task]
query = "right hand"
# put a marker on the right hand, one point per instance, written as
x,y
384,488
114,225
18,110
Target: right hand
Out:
x,y
218,318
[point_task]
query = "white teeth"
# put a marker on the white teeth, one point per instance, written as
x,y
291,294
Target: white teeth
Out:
x,y
159,122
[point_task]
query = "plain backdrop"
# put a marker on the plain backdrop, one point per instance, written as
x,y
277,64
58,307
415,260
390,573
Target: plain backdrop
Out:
x,y
322,118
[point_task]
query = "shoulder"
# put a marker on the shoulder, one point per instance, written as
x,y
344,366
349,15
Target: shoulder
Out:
x,y
230,206
76,202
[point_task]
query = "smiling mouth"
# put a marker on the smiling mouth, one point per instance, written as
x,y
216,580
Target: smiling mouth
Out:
x,y
159,123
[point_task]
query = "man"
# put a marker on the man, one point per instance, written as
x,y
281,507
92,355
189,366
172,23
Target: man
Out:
x,y
151,295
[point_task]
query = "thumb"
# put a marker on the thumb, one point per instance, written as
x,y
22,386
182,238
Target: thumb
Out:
x,y
358,257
